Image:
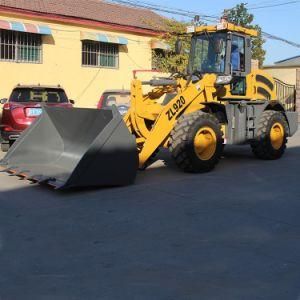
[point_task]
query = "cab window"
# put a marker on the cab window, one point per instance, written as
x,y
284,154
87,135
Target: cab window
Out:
x,y
238,86
238,53
208,53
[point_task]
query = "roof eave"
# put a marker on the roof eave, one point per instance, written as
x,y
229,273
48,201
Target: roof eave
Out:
x,y
281,67
77,21
287,59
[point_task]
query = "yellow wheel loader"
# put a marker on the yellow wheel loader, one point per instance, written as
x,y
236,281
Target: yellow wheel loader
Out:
x,y
219,101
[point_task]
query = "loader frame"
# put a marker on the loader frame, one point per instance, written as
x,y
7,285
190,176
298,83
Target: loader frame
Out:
x,y
238,113
233,105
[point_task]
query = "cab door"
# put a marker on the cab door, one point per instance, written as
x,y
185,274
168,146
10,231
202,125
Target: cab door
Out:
x,y
240,63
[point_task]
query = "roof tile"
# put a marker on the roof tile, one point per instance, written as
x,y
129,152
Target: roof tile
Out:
x,y
92,10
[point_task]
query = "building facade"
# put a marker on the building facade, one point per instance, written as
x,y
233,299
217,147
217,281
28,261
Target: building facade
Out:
x,y
84,46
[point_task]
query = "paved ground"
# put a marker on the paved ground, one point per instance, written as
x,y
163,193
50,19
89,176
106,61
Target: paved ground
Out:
x,y
230,234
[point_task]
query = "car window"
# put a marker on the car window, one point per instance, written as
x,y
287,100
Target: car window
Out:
x,y
38,95
116,99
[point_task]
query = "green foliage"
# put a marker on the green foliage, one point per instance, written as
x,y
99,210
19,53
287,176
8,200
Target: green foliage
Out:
x,y
169,61
239,15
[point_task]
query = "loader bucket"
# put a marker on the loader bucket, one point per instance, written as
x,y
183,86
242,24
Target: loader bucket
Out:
x,y
69,148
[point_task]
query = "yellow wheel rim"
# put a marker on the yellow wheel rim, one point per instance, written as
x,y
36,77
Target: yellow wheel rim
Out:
x,y
205,143
277,135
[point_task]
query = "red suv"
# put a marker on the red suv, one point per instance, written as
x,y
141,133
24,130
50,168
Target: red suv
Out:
x,y
24,106
120,98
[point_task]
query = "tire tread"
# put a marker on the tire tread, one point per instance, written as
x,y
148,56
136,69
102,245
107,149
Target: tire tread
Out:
x,y
260,147
180,136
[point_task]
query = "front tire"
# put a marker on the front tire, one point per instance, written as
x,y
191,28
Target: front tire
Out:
x,y
271,139
196,142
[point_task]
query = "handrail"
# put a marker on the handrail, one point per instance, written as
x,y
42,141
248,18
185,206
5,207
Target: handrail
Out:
x,y
286,94
284,83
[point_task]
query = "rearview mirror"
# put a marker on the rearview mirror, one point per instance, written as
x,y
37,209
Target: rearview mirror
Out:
x,y
72,101
3,101
178,46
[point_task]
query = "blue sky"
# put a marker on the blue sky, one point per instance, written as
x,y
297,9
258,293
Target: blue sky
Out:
x,y
283,21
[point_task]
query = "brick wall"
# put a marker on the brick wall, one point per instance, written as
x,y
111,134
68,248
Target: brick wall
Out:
x,y
298,91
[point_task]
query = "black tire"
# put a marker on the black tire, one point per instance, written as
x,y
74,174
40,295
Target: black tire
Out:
x,y
182,138
5,146
262,147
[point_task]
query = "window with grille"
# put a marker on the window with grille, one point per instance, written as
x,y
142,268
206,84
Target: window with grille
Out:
x,y
20,47
99,54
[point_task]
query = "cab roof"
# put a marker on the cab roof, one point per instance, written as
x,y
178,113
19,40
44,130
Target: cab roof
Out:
x,y
37,86
223,26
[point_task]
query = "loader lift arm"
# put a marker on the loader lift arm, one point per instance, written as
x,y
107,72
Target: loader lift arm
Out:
x,y
150,138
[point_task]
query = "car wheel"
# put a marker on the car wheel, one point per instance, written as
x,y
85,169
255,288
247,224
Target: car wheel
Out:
x,y
5,146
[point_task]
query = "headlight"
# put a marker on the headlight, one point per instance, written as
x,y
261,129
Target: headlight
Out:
x,y
224,79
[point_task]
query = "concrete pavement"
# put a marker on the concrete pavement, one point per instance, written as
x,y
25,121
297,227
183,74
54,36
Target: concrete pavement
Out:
x,y
230,234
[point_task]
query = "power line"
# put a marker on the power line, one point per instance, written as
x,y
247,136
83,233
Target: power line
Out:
x,y
174,9
165,9
259,3
277,38
273,5
272,36
186,13
268,4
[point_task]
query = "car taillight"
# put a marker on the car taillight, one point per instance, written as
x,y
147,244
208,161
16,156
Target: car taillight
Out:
x,y
100,103
7,128
11,106
6,106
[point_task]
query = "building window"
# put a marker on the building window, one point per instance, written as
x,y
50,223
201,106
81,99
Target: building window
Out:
x,y
20,47
99,54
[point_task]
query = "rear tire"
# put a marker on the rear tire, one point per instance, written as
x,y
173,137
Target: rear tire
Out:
x,y
196,142
271,139
5,146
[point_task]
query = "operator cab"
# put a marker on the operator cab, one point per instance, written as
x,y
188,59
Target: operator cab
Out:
x,y
224,50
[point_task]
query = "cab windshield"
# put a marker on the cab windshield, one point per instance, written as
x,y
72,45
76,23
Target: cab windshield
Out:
x,y
208,53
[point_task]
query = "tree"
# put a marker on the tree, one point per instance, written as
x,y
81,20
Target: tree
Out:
x,y
168,61
239,15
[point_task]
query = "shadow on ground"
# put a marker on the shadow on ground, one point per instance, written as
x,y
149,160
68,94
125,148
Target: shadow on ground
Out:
x,y
230,234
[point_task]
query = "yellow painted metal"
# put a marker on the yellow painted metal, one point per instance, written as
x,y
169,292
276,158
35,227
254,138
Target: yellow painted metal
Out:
x,y
277,135
205,143
152,123
252,90
226,26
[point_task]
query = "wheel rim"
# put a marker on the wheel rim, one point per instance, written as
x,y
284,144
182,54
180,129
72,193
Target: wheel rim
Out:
x,y
205,143
277,136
